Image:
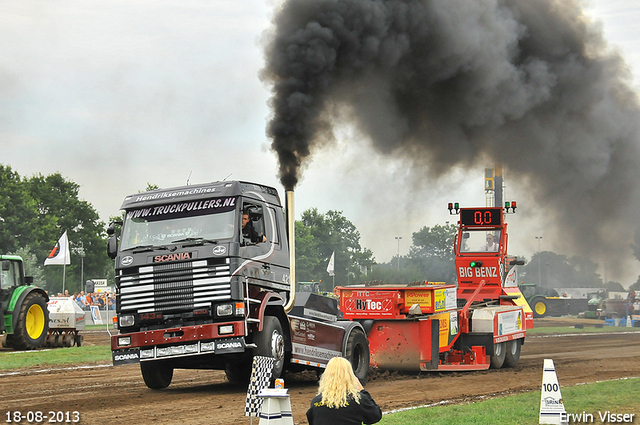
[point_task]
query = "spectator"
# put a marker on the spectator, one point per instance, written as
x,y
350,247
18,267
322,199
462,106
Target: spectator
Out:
x,y
341,398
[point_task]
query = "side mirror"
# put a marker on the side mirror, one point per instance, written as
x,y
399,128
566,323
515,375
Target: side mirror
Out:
x,y
111,230
28,280
516,263
112,240
112,246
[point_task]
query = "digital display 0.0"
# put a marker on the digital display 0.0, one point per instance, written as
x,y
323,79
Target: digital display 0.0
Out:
x,y
481,216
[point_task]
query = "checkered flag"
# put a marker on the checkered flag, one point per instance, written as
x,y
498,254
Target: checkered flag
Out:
x,y
261,372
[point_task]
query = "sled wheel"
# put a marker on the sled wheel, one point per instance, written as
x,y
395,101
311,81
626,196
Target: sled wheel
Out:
x,y
357,352
67,339
33,320
156,374
499,354
513,353
270,342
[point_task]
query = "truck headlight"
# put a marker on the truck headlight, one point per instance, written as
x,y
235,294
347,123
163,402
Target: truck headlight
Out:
x,y
225,329
124,341
126,320
224,309
146,354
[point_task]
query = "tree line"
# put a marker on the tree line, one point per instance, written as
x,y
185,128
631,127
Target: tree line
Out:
x,y
34,213
36,210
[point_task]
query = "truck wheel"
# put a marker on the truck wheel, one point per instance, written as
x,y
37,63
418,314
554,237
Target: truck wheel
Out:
x,y
357,352
540,308
270,343
32,324
157,375
513,352
499,354
239,372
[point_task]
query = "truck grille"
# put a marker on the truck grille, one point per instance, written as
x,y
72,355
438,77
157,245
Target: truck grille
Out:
x,y
174,287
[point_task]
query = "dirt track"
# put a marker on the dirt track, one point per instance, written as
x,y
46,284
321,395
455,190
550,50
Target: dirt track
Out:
x,y
103,394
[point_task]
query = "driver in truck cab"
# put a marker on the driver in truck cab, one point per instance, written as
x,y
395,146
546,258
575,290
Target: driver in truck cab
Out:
x,y
248,232
491,245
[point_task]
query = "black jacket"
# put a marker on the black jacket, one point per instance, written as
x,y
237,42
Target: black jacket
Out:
x,y
366,412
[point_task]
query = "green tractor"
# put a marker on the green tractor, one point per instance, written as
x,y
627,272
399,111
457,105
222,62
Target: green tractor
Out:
x,y
24,307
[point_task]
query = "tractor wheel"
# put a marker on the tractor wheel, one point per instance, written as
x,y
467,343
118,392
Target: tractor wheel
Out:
x,y
270,342
32,324
357,352
540,307
513,353
499,354
7,342
156,374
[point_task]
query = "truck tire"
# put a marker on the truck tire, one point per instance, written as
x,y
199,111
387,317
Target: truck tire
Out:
x,y
238,372
499,354
270,342
157,375
357,352
540,307
32,324
513,353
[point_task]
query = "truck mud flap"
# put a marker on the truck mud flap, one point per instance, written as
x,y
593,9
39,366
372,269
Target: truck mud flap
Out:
x,y
125,356
232,345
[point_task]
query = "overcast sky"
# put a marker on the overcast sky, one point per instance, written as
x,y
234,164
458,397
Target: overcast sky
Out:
x,y
118,94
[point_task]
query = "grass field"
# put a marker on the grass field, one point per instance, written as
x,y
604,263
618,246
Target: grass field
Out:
x,y
617,397
54,356
586,329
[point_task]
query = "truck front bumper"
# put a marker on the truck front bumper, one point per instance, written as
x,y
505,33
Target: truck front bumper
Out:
x,y
178,342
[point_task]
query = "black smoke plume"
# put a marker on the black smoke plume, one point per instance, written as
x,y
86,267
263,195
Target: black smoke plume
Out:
x,y
530,84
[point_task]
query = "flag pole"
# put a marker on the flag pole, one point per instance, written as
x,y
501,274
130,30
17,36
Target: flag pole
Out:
x,y
64,274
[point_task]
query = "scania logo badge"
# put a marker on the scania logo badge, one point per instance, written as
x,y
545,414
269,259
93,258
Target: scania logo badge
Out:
x,y
126,261
219,250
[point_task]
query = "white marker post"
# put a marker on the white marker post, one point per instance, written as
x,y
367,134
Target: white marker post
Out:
x,y
551,406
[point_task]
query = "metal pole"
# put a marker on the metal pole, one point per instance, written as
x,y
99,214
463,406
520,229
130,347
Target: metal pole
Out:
x,y
398,239
539,260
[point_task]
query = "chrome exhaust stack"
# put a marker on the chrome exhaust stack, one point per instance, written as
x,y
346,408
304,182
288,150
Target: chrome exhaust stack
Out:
x,y
291,230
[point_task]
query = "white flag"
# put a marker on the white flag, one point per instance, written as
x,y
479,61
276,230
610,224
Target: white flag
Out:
x,y
330,265
59,255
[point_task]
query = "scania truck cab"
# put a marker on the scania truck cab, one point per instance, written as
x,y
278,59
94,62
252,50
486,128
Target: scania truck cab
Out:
x,y
203,282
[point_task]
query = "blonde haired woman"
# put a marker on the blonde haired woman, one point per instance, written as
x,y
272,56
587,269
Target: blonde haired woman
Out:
x,y
341,399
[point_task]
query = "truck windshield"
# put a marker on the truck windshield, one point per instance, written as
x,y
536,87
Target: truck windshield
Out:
x,y
480,240
212,220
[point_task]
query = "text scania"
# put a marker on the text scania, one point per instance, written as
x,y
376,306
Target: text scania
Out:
x,y
479,271
121,357
172,257
182,207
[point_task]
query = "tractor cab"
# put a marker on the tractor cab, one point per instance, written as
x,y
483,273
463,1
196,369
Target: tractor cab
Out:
x,y
25,318
485,271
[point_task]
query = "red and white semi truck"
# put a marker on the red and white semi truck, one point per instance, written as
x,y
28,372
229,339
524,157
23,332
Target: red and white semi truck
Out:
x,y
196,289
479,323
